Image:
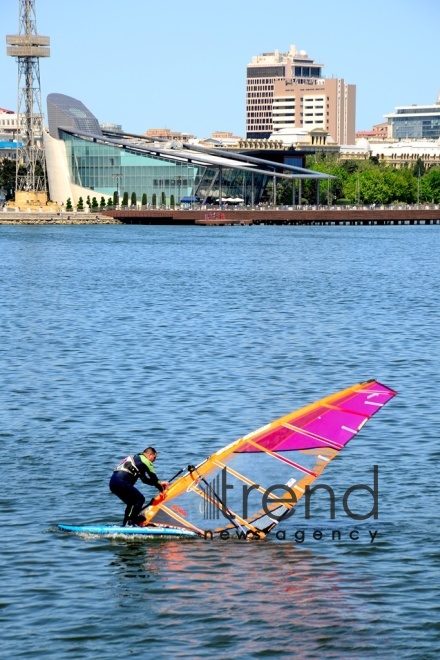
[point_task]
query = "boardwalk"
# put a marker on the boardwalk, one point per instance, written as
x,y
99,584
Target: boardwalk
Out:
x,y
310,216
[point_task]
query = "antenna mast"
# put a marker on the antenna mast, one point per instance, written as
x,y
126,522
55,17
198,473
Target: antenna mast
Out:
x,y
27,47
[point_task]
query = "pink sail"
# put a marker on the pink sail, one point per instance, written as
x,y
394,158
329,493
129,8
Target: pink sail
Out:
x,y
234,488
331,422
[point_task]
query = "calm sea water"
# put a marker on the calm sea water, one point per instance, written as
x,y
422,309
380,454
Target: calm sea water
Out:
x,y
117,337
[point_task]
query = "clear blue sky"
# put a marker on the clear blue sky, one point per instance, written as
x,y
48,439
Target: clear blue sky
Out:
x,y
181,64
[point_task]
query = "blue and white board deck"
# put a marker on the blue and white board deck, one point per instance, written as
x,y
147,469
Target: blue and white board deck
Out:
x,y
112,530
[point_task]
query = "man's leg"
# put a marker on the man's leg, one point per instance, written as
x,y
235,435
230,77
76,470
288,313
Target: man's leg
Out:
x,y
131,496
133,509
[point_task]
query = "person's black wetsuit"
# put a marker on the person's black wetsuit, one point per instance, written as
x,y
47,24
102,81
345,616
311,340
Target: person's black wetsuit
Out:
x,y
122,483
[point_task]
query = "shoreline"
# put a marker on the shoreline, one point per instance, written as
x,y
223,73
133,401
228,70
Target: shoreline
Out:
x,y
43,218
309,216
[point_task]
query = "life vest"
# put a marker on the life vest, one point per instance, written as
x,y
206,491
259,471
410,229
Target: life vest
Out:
x,y
128,465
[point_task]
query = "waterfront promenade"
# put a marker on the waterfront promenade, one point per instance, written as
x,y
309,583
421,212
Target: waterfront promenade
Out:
x,y
404,215
306,215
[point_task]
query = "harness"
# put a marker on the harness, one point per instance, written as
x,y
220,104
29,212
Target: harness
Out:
x,y
128,465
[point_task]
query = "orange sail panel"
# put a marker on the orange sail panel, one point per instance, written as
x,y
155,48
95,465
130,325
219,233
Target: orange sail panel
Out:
x,y
251,484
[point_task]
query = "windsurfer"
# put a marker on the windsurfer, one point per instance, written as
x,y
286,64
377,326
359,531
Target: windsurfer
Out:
x,y
125,475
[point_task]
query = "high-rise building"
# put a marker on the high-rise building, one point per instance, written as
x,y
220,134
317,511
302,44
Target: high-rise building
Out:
x,y
287,90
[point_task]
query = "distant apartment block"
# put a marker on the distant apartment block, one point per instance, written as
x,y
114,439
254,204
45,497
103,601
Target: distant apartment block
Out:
x,y
111,128
415,122
287,90
12,126
168,134
378,132
9,133
8,123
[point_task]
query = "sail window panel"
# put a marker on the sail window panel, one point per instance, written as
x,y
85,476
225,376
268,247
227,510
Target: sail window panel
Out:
x,y
190,507
208,505
163,518
266,469
266,480
307,459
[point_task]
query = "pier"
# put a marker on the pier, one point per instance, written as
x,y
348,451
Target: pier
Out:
x,y
333,216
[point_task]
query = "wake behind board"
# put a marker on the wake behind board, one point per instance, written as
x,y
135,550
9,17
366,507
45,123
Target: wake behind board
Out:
x,y
113,530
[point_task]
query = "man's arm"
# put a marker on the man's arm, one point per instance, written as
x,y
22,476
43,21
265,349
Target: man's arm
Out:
x,y
147,473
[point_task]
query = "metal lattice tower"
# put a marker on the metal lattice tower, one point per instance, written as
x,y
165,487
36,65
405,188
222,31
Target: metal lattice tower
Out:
x,y
27,47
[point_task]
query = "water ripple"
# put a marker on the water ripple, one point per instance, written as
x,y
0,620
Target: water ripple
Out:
x,y
118,337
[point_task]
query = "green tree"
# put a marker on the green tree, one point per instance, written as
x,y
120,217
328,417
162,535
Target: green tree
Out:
x,y
380,185
125,199
88,201
133,199
419,168
95,204
7,177
403,185
154,200
366,181
430,186
69,206
330,189
115,199
350,166
80,205
144,200
172,202
163,200
102,204
110,202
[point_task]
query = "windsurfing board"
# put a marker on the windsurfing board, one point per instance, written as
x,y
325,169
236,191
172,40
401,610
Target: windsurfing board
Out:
x,y
119,530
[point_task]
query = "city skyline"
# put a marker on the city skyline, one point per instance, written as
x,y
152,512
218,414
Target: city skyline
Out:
x,y
183,67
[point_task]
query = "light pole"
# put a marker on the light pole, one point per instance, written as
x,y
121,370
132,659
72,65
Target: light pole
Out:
x,y
117,176
179,183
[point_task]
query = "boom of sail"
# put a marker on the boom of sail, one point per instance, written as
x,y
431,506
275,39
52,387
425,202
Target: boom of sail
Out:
x,y
252,484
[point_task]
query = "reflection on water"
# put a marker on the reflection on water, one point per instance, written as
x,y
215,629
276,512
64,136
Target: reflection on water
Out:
x,y
236,596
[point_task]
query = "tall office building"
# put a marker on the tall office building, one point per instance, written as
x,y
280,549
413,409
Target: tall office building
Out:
x,y
287,90
415,122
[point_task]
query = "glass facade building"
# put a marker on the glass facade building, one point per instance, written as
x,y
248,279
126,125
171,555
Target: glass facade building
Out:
x,y
83,160
106,168
415,122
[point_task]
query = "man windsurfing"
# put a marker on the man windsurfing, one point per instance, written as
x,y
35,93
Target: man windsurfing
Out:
x,y
125,475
